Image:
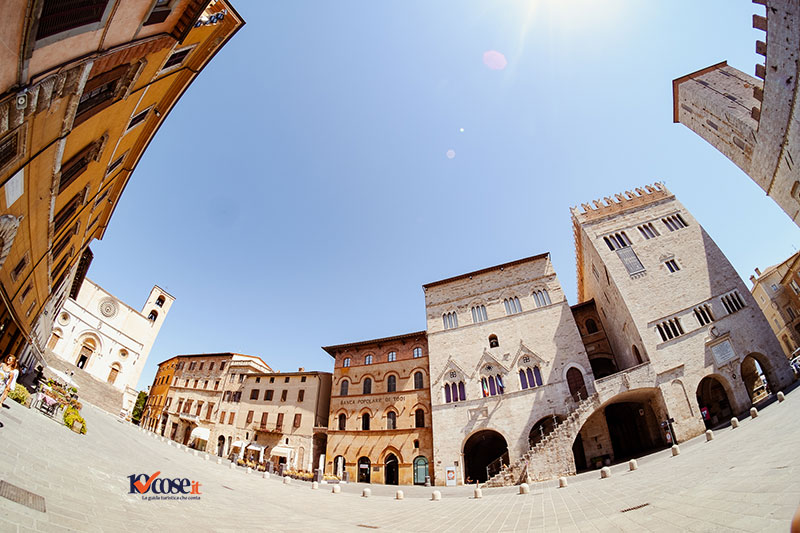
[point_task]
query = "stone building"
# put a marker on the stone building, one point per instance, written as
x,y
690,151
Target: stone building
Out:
x,y
777,292
204,388
283,417
236,406
685,331
754,121
84,87
101,336
380,411
507,361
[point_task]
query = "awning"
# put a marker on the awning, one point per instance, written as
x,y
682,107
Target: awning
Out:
x,y
237,444
200,434
281,451
255,447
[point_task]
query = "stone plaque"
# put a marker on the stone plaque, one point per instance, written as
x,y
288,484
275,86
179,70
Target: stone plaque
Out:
x,y
723,353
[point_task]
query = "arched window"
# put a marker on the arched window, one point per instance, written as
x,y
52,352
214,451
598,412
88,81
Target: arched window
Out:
x,y
346,362
391,420
417,352
391,384
541,298
342,421
392,357
493,342
368,360
365,421
538,375
523,379
492,386
591,326
450,320
152,316
367,386
419,418
345,388
462,391
160,301
447,396
418,381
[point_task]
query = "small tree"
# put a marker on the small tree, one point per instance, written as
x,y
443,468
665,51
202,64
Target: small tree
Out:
x,y
139,407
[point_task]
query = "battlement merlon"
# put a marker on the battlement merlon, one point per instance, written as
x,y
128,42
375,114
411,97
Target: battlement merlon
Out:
x,y
608,207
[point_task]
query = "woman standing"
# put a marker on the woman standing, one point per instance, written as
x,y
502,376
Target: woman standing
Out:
x,y
8,376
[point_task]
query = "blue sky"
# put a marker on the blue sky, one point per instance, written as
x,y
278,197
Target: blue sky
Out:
x,y
300,193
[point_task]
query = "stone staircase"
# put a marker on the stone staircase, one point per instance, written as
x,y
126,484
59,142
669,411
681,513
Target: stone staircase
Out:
x,y
90,390
552,456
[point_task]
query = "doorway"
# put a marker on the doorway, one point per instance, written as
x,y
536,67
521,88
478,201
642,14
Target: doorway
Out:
x,y
83,357
391,466
577,387
220,446
485,453
420,470
628,429
363,470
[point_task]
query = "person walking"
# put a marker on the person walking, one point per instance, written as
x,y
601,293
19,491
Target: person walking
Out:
x,y
8,376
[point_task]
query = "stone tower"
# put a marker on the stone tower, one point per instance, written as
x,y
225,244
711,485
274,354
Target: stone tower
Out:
x,y
688,337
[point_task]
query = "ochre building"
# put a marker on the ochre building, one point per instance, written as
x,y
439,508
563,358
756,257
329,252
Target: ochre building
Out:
x,y
83,90
777,292
380,411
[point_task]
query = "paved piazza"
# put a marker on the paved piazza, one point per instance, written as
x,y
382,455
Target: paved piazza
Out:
x,y
745,479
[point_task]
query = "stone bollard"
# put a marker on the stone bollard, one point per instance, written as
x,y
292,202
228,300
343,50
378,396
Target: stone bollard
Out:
x,y
605,472
233,466
562,482
314,485
709,435
169,443
734,423
780,396
676,450
366,493
248,470
633,465
219,460
206,457
524,489
478,493
336,489
436,496
753,412
286,480
195,453
265,475
399,495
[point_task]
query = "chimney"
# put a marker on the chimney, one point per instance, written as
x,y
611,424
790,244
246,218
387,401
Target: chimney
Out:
x,y
753,280
301,369
758,272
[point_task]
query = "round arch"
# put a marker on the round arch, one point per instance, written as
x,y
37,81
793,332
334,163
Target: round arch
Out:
x,y
485,452
714,394
758,384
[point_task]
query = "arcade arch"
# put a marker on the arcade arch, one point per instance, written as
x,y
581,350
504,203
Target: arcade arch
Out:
x,y
485,452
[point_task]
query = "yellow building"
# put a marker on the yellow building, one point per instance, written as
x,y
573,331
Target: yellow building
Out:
x,y
777,292
154,415
83,90
380,412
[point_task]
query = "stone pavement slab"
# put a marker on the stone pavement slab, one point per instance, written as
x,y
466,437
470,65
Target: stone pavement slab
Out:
x,y
744,480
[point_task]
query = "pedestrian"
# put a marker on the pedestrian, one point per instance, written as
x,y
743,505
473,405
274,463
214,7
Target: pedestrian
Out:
x,y
8,376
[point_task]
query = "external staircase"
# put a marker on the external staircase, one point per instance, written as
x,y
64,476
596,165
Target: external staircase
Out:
x,y
91,390
551,456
